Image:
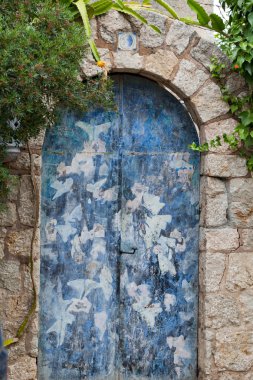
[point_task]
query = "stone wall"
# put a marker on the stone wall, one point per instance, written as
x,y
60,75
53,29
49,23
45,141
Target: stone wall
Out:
x,y
178,59
16,235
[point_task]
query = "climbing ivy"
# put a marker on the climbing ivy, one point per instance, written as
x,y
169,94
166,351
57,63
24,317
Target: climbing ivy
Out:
x,y
237,44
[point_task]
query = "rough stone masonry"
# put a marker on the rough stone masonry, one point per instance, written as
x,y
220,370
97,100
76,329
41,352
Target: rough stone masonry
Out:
x,y
178,59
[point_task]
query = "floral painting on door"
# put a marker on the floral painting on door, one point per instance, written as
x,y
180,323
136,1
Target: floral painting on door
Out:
x,y
119,225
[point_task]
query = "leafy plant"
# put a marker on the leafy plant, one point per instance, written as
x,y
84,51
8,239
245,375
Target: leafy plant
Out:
x,y
237,44
41,48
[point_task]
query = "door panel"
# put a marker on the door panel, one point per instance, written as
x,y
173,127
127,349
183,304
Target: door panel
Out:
x,y
79,261
159,281
158,293
120,241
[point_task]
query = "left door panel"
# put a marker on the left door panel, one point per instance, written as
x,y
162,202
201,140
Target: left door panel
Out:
x,y
79,206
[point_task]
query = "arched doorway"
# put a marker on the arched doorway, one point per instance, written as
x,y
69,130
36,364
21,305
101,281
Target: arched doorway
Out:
x,y
119,231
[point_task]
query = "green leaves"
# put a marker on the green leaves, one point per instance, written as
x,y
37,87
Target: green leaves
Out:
x,y
250,18
200,12
217,23
40,63
237,44
135,14
81,5
211,21
246,117
168,8
100,7
199,148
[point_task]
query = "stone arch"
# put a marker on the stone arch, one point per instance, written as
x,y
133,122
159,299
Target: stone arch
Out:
x,y
178,59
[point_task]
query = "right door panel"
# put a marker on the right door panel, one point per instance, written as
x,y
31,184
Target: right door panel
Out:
x,y
159,235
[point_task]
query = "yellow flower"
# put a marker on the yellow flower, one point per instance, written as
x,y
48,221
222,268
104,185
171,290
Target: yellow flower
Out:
x,y
101,64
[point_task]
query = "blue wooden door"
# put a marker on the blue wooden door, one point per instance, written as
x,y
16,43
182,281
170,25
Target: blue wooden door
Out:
x,y
119,258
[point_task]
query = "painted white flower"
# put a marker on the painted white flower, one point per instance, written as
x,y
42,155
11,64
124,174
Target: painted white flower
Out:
x,y
181,351
142,304
100,323
62,187
169,300
50,230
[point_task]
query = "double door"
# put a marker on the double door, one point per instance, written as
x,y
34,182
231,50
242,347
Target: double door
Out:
x,y
119,241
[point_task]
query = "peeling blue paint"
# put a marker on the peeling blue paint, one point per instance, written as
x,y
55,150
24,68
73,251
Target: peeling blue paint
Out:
x,y
112,183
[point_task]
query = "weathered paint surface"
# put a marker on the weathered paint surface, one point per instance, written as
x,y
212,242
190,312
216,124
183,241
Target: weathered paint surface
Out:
x,y
119,230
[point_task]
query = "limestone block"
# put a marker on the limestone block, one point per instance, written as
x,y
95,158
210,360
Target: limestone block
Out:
x,y
208,103
202,238
219,239
89,67
205,352
25,368
179,36
213,200
246,236
224,166
246,301
240,271
241,214
127,61
1,249
26,206
110,23
27,282
241,205
205,50
161,64
12,314
93,24
205,34
23,161
16,350
149,37
214,267
236,376
14,188
16,302
8,216
214,211
32,338
19,243
212,186
210,131
36,143
240,188
235,83
189,78
10,277
3,232
36,275
220,311
234,350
